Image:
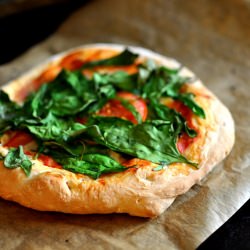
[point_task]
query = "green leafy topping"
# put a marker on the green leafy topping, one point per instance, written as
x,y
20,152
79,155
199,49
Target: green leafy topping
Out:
x,y
124,58
152,140
188,100
120,79
51,116
16,158
55,128
161,111
92,164
8,111
164,82
69,94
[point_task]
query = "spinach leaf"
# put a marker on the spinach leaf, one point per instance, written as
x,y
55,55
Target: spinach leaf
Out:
x,y
124,58
188,100
152,140
119,79
154,87
68,95
74,94
75,148
92,164
54,128
161,111
37,102
16,158
8,111
162,81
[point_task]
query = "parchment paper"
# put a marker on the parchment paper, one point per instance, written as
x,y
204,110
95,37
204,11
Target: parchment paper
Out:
x,y
210,37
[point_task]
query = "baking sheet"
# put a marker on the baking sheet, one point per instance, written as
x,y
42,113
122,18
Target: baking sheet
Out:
x,y
212,38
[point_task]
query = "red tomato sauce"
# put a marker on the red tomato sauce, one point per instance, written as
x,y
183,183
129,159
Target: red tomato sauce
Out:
x,y
136,162
49,161
77,59
46,160
102,181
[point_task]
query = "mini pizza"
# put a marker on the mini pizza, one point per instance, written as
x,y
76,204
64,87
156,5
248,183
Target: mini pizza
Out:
x,y
108,129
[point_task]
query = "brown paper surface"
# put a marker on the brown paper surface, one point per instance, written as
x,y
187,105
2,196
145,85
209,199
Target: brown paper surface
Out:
x,y
212,38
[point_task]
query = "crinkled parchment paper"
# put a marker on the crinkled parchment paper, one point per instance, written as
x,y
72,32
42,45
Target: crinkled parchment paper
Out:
x,y
210,37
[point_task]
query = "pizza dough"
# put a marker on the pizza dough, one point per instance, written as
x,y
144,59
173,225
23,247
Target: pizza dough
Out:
x,y
142,192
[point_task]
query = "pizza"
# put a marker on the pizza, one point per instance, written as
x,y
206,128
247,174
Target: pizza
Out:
x,y
108,129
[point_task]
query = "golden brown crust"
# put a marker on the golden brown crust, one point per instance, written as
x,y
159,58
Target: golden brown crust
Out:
x,y
143,192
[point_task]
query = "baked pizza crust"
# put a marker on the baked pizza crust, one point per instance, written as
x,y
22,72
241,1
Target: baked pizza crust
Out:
x,y
142,192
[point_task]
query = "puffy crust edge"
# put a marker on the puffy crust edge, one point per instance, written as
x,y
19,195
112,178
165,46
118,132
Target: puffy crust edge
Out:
x,y
139,193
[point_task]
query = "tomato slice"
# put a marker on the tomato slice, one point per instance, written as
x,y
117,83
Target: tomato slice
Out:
x,y
184,140
185,111
20,138
82,120
114,107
